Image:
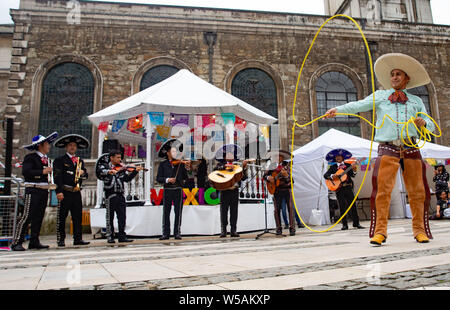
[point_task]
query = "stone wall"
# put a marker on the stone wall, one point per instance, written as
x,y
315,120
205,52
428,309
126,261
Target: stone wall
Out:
x,y
117,39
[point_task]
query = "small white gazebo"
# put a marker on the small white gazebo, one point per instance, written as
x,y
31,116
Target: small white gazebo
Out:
x,y
182,93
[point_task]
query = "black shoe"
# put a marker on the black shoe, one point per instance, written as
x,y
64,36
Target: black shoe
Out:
x,y
178,237
81,242
234,235
61,244
37,246
300,226
164,238
286,226
292,232
345,227
17,247
111,240
279,232
125,240
359,227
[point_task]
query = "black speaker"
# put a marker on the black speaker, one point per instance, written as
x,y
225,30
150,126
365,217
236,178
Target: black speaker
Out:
x,y
110,145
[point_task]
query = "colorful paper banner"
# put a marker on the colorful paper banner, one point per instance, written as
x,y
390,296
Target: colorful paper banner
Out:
x,y
117,125
176,119
228,117
103,126
239,123
135,123
156,118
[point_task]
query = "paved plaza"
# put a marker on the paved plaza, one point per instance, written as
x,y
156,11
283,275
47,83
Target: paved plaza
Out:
x,y
308,261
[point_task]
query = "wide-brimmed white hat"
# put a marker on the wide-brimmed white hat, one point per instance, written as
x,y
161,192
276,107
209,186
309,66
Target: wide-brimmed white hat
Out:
x,y
414,69
39,139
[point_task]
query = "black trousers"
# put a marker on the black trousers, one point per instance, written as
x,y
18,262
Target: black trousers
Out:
x,y
345,197
172,196
71,203
229,200
34,211
116,204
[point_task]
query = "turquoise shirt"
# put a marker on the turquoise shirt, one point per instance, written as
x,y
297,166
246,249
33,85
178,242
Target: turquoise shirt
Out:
x,y
398,111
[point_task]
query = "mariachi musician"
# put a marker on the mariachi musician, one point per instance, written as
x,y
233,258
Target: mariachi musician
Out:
x,y
229,198
173,174
282,196
344,194
36,170
114,174
69,175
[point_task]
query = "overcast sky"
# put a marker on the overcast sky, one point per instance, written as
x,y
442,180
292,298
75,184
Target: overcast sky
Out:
x,y
441,8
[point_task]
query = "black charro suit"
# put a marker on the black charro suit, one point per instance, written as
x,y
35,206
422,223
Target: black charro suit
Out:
x,y
35,200
345,194
173,193
65,169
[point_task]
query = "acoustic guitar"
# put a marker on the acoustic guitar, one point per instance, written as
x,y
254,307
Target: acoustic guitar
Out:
x,y
225,179
272,185
339,177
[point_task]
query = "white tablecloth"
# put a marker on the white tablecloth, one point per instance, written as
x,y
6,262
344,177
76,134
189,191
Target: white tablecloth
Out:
x,y
196,220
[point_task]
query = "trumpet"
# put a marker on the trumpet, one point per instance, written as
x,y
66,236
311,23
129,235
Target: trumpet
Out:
x,y
78,172
51,182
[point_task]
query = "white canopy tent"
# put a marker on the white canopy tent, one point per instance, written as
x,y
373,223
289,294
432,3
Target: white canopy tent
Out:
x,y
309,166
182,93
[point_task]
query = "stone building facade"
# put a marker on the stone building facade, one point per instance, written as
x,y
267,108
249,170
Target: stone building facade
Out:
x,y
106,52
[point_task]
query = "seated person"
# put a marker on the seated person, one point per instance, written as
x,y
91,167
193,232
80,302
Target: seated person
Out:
x,y
442,205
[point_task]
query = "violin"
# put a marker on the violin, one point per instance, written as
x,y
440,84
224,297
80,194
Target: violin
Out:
x,y
128,168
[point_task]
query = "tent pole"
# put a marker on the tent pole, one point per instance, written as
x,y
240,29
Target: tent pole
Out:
x,y
101,138
148,164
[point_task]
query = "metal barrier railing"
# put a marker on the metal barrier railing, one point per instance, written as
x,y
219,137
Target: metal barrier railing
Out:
x,y
9,205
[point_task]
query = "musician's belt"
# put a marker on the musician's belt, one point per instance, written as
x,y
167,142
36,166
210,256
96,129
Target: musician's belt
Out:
x,y
44,187
401,151
71,189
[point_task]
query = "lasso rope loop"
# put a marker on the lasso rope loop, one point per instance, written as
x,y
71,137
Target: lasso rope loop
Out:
x,y
425,134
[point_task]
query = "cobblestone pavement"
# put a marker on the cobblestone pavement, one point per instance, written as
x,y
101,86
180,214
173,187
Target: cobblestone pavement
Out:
x,y
307,261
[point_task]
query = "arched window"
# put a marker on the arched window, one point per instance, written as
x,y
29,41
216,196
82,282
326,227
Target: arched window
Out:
x,y
157,74
67,99
257,88
334,89
422,92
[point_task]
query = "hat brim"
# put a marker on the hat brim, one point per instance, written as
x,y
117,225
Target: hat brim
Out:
x,y
82,142
331,156
274,154
414,69
167,146
50,138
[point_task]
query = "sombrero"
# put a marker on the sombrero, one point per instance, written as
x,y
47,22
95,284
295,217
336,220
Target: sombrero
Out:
x,y
229,148
39,140
439,164
415,70
168,145
331,156
103,160
82,142
273,157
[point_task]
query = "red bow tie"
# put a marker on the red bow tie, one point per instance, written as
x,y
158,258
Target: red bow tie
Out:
x,y
75,160
399,96
342,166
44,161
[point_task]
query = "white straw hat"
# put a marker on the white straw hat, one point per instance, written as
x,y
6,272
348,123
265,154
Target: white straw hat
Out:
x,y
414,69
